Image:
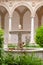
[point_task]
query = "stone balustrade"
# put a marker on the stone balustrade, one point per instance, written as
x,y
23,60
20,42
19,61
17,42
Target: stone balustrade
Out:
x,y
37,51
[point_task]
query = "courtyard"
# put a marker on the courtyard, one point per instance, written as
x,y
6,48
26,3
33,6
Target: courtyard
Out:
x,y
20,22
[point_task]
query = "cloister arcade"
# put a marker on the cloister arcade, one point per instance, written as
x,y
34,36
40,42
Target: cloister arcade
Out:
x,y
28,14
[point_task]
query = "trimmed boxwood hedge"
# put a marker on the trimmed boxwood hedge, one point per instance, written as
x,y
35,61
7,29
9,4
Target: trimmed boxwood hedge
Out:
x,y
39,36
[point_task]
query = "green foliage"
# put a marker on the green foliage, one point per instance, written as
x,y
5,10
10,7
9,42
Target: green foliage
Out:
x,y
30,60
32,46
9,59
39,36
1,37
23,59
11,46
1,46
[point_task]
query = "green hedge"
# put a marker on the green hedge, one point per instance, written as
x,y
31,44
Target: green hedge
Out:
x,y
1,46
39,36
22,59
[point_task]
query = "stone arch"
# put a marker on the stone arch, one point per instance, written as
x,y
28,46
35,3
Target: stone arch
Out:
x,y
37,6
3,5
22,4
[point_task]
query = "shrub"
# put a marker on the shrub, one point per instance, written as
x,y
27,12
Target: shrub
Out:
x,y
23,59
39,36
9,59
1,38
1,46
30,60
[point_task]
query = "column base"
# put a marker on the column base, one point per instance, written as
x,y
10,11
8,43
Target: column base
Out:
x,y
5,47
32,43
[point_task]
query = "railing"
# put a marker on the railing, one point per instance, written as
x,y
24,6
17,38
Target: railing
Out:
x,y
18,0
38,52
30,50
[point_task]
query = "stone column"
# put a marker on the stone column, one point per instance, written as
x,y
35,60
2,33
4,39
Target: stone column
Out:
x,y
32,30
10,20
2,21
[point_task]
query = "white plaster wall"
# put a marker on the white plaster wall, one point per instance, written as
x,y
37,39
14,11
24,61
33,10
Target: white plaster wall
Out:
x,y
27,21
0,21
26,25
15,24
14,39
25,37
15,21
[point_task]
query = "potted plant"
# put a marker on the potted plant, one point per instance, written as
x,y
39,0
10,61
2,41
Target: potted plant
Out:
x,y
11,46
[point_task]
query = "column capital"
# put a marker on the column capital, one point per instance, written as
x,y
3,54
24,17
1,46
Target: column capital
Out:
x,y
10,16
32,16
